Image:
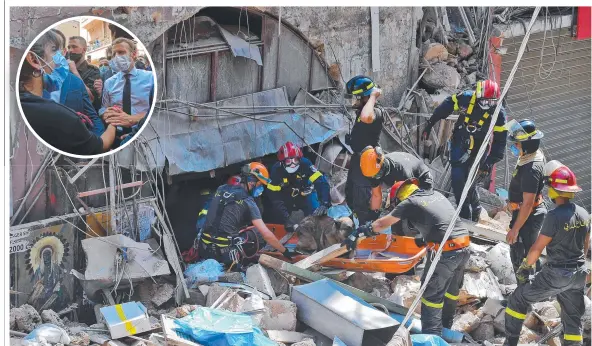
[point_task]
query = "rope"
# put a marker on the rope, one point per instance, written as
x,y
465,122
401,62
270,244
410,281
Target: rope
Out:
x,y
473,170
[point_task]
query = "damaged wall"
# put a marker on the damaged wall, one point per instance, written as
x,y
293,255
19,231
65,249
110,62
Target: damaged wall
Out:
x,y
344,33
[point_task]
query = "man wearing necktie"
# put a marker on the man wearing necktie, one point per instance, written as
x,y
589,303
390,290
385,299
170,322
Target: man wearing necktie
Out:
x,y
126,95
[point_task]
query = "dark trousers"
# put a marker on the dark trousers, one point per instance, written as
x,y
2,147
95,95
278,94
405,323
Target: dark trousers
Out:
x,y
527,235
459,175
438,302
567,285
358,192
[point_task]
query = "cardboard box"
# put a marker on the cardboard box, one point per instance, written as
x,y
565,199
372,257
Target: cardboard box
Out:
x,y
126,319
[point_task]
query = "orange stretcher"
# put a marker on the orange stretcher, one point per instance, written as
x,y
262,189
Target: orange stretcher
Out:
x,y
383,253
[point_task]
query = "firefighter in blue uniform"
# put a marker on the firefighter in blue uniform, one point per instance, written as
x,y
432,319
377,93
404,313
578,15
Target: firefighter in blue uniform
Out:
x,y
476,108
296,184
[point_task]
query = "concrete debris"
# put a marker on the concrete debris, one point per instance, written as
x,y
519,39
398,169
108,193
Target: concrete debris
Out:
x,y
79,338
503,218
508,289
232,277
435,52
196,297
162,294
371,284
305,342
283,297
441,76
258,278
452,47
471,78
50,316
184,310
26,318
465,323
527,336
214,292
501,264
547,312
288,337
479,250
476,264
532,322
492,307
484,330
279,315
479,286
405,290
586,319
254,303
464,50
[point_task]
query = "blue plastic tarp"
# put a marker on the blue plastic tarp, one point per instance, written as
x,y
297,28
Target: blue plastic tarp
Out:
x,y
427,340
221,328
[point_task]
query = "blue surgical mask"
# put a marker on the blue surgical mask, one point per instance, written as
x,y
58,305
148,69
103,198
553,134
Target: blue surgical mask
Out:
x,y
121,63
514,149
257,191
53,81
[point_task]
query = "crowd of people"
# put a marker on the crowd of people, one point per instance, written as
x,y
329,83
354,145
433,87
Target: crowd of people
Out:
x,y
294,184
80,108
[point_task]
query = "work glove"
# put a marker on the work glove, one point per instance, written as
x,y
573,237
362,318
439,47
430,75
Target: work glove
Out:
x,y
288,254
523,273
320,211
351,241
426,131
419,241
366,230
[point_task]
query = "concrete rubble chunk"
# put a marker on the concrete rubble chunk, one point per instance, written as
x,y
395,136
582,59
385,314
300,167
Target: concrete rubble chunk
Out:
x,y
232,277
283,297
258,278
405,288
479,250
501,264
279,283
196,297
435,52
464,50
26,317
492,307
527,336
162,294
484,330
401,338
503,218
532,322
547,311
465,323
586,319
476,264
471,78
254,302
184,310
12,320
479,285
440,76
305,342
80,338
452,47
214,292
50,316
508,289
279,315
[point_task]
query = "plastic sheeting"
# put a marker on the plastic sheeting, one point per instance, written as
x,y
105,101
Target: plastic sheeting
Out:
x,y
427,340
221,328
202,272
218,140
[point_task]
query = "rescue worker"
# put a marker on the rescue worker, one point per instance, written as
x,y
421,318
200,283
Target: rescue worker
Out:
x,y
431,213
476,108
231,209
366,131
386,169
525,191
566,235
296,184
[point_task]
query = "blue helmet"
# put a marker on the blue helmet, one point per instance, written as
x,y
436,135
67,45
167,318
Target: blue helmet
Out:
x,y
360,86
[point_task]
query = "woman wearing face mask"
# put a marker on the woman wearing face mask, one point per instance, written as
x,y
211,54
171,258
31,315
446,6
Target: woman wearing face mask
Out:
x,y
43,71
525,191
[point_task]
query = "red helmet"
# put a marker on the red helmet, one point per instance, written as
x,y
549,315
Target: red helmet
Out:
x,y
234,180
397,185
564,180
488,89
289,151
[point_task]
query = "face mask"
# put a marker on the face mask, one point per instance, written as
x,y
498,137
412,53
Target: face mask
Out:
x,y
140,65
485,104
292,169
121,63
514,149
112,64
257,191
53,81
75,56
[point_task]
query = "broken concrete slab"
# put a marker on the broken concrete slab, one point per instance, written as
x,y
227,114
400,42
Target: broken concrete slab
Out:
x,y
440,75
214,292
479,250
465,323
279,315
305,342
196,297
480,285
405,288
464,50
501,264
484,330
50,316
79,338
162,294
532,322
26,318
476,264
233,277
286,336
371,283
547,312
492,307
279,283
258,278
253,303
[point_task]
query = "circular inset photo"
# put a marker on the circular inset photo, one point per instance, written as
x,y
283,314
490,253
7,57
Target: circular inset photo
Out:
x,y
86,87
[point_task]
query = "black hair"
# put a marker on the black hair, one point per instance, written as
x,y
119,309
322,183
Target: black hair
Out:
x,y
52,36
530,146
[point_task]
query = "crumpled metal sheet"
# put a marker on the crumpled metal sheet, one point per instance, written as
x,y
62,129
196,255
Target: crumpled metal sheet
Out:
x,y
211,141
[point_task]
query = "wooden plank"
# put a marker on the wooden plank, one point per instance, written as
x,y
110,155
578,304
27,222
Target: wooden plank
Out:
x,y
287,337
331,252
309,276
374,15
108,189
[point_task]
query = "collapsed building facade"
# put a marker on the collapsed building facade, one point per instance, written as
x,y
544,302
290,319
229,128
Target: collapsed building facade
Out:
x,y
236,83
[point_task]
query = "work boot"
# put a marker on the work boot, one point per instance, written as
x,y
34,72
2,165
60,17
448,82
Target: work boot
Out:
x,y
476,214
511,341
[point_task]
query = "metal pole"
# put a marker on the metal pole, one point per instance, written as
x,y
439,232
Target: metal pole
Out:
x,y
112,195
